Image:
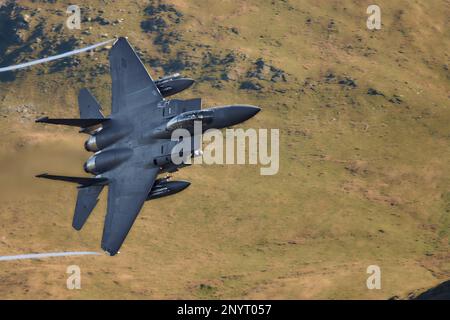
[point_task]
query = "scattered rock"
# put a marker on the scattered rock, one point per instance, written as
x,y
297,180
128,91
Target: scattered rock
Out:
x,y
248,85
332,26
330,77
154,24
25,112
349,82
357,167
264,71
102,21
160,16
396,99
235,30
374,92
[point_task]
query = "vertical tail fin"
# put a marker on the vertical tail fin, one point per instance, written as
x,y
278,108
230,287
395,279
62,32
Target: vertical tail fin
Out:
x,y
88,105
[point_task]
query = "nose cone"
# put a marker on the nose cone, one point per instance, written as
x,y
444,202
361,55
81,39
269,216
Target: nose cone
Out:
x,y
231,115
178,186
186,82
245,112
181,84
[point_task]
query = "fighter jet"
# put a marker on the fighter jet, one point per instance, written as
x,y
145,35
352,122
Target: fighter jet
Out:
x,y
133,145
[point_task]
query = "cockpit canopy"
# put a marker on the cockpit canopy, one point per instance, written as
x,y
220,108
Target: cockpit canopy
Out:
x,y
186,119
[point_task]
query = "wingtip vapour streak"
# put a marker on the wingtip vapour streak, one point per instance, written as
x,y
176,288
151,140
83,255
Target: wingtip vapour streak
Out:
x,y
47,255
52,58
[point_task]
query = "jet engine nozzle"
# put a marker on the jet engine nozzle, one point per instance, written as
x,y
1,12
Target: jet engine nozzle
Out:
x,y
107,160
91,144
104,138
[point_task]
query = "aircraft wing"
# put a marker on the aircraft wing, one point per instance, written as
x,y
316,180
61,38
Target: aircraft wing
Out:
x,y
132,86
128,189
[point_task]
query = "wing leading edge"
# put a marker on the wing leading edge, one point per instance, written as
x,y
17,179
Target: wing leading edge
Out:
x,y
132,86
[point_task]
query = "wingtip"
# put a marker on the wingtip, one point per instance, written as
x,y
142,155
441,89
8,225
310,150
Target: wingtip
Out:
x,y
110,253
41,119
42,175
76,227
120,40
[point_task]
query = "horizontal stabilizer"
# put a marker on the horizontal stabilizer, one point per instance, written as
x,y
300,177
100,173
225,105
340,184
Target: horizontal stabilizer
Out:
x,y
86,201
82,123
82,181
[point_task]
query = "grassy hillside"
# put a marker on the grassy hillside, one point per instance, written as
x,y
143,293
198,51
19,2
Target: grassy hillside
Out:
x,y
364,150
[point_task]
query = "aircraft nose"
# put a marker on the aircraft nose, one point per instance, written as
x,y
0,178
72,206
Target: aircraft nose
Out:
x,y
243,113
182,84
231,115
187,82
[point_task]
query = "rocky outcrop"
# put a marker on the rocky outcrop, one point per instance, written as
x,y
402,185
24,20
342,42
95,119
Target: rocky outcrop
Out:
x,y
160,17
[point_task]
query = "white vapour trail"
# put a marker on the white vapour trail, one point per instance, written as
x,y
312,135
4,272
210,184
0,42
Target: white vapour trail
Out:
x,y
47,255
59,56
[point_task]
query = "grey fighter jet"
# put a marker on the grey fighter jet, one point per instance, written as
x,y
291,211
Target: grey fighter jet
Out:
x,y
133,144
